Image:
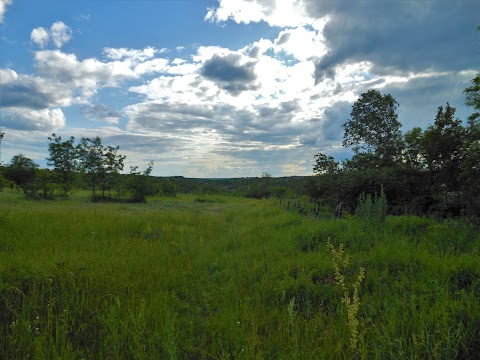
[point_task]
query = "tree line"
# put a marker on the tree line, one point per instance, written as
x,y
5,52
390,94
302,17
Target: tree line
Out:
x,y
89,163
422,171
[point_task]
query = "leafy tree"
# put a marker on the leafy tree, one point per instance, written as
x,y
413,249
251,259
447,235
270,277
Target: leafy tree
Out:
x,y
22,171
472,94
100,164
139,182
413,154
325,164
113,164
169,188
90,155
64,159
373,127
442,144
45,183
470,166
473,97
5,183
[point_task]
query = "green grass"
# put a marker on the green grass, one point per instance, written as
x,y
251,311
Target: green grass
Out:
x,y
228,278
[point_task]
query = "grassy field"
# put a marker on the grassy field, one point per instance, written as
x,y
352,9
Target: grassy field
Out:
x,y
231,278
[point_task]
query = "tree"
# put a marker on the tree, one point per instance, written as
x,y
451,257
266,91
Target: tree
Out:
x,y
5,183
325,164
374,128
472,94
90,155
470,175
99,164
442,144
22,171
413,155
64,159
139,183
473,97
113,164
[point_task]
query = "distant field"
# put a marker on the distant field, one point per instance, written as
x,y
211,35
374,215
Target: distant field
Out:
x,y
214,277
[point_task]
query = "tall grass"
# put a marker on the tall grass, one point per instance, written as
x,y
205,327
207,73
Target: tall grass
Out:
x,y
228,278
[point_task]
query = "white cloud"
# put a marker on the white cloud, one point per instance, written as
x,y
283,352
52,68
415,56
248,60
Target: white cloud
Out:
x,y
40,36
3,8
29,119
59,34
302,43
282,13
135,56
87,75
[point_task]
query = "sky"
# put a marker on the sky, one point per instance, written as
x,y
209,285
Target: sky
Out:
x,y
225,88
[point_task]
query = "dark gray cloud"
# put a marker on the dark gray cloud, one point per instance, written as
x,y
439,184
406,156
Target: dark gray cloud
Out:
x,y
229,73
254,52
398,36
24,91
26,94
100,112
419,98
325,131
334,117
283,39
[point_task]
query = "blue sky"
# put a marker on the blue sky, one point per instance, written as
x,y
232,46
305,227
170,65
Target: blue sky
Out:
x,y
224,88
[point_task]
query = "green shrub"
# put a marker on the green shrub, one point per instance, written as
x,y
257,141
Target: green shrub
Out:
x,y
372,210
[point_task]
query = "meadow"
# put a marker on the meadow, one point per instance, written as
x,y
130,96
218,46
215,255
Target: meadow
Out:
x,y
216,277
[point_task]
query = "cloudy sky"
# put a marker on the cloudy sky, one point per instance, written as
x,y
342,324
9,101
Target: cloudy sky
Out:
x,y
225,88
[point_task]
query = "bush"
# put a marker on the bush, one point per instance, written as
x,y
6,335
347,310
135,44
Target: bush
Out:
x,y
372,210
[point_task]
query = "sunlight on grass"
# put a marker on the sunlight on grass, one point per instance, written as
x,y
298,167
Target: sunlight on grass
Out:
x,y
179,278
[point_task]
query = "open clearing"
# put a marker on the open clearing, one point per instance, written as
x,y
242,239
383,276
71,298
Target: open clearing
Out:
x,y
216,277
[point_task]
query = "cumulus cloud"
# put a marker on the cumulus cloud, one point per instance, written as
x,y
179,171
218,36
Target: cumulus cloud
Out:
x,y
3,8
31,92
276,13
83,75
394,35
59,34
230,73
275,101
28,119
130,54
40,36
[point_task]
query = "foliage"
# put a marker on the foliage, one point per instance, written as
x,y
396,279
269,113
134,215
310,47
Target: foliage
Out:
x,y
22,171
413,155
139,182
372,211
325,164
64,159
169,188
4,183
373,127
351,301
100,164
472,94
432,171
441,144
